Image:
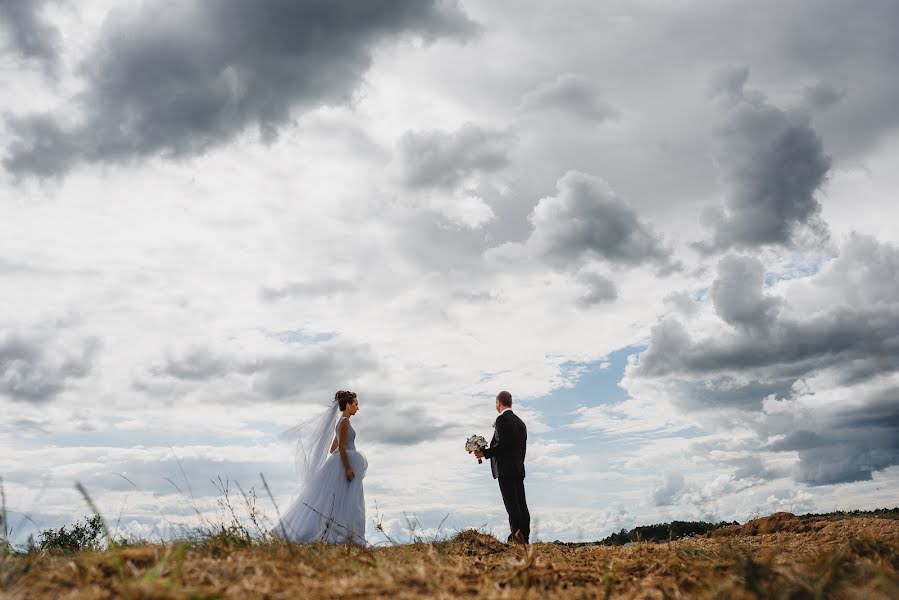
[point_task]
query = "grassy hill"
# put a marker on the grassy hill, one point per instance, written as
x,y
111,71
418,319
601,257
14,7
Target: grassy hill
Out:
x,y
779,556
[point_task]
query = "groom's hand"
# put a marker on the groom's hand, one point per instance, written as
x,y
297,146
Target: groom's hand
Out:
x,y
478,454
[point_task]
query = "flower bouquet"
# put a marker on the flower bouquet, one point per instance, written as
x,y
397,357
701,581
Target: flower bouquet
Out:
x,y
474,443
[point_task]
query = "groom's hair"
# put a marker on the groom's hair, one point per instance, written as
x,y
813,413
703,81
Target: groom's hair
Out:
x,y
505,398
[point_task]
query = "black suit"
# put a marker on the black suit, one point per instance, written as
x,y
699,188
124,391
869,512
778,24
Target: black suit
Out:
x,y
506,454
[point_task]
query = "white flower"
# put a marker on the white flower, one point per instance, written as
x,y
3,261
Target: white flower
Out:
x,y
474,443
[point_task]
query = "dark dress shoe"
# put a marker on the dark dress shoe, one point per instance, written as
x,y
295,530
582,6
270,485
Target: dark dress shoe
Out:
x,y
517,538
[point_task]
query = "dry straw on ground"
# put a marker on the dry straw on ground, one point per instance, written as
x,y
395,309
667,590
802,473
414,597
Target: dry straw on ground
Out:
x,y
780,556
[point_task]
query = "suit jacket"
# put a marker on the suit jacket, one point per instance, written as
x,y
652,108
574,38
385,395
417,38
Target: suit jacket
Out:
x,y
508,446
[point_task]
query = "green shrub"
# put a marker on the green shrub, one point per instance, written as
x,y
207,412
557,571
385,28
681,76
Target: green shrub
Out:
x,y
86,534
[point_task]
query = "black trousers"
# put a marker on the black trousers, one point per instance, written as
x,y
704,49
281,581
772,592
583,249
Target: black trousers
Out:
x,y
512,489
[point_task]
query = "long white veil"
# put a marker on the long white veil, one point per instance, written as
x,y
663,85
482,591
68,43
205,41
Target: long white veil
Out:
x,y
313,439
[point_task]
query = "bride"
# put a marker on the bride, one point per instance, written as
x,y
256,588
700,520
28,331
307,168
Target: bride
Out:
x,y
331,503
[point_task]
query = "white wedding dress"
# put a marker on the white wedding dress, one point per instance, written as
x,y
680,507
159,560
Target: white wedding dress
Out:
x,y
329,508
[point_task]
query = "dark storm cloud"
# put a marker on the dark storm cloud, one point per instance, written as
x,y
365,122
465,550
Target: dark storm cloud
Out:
x,y
845,461
599,290
771,163
862,341
441,159
37,368
882,411
27,33
737,294
587,220
852,444
176,79
570,95
822,96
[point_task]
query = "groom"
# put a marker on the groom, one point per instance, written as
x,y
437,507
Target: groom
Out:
x,y
506,454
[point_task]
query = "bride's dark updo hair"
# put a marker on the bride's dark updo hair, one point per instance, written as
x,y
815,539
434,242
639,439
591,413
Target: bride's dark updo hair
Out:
x,y
344,397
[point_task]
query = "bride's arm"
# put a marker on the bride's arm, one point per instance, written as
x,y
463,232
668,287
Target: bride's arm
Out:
x,y
333,446
341,434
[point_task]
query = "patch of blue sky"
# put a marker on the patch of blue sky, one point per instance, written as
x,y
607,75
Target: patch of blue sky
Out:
x,y
591,384
595,384
799,269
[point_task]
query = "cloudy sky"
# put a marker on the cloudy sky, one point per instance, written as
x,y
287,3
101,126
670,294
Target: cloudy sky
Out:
x,y
668,228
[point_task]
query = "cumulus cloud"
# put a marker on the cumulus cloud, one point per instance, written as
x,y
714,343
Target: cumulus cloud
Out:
x,y
315,373
772,163
570,95
176,79
739,367
449,172
599,290
811,372
304,373
752,467
864,273
833,330
445,159
587,220
398,426
197,364
469,211
28,33
683,303
667,491
737,294
37,364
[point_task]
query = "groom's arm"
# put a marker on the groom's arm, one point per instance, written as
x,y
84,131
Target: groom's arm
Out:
x,y
502,433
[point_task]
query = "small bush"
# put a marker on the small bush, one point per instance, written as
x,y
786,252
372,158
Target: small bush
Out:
x,y
219,542
86,534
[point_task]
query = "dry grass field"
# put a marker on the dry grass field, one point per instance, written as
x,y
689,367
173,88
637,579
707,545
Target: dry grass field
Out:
x,y
780,556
